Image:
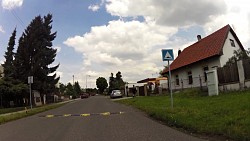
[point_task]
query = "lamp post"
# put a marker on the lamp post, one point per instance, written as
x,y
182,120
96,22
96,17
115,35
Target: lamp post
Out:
x,y
87,81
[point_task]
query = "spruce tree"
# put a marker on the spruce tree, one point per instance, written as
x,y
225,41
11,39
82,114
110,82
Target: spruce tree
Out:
x,y
77,88
9,57
21,61
35,55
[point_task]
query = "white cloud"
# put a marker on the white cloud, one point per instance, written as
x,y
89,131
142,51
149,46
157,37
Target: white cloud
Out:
x,y
94,7
134,47
120,46
237,16
1,29
58,48
59,73
11,4
166,12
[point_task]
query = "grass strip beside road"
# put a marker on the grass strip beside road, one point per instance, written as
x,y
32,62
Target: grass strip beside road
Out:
x,y
226,115
10,110
21,114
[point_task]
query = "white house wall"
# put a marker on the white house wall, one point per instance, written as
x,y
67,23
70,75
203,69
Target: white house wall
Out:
x,y
197,68
228,50
197,72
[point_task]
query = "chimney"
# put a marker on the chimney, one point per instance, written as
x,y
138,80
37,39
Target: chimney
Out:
x,y
179,52
199,37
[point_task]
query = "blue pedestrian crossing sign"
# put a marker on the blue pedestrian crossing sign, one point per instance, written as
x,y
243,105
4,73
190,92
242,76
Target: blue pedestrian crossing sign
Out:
x,y
167,55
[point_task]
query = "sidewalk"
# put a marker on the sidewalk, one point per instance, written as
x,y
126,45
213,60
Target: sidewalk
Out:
x,y
117,99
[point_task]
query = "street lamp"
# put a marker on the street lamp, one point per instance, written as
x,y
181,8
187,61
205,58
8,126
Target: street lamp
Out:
x,y
87,81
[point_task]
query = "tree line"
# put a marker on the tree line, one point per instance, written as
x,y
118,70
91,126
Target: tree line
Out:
x,y
33,57
115,83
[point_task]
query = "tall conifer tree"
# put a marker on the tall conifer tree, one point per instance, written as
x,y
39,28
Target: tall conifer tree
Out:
x,y
9,57
35,55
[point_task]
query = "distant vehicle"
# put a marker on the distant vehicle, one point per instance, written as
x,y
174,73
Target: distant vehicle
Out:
x,y
92,94
84,95
115,94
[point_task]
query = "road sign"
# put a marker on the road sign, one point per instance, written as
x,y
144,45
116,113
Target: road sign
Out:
x,y
167,55
30,79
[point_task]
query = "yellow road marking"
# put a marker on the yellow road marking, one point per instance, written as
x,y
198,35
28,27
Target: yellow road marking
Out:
x,y
105,114
49,116
67,115
85,115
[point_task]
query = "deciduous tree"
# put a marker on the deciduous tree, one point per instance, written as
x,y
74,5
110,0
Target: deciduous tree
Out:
x,y
101,84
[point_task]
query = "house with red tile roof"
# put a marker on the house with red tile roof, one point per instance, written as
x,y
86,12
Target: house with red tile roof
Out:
x,y
190,66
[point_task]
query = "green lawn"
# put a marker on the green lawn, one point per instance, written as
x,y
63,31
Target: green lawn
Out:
x,y
10,110
17,115
225,115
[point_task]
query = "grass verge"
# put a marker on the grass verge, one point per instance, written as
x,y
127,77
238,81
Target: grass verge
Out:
x,y
10,110
226,115
21,114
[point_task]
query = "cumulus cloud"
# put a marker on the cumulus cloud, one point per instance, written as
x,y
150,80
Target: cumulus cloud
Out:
x,y
58,48
94,7
134,47
1,29
11,4
120,46
59,73
169,13
237,15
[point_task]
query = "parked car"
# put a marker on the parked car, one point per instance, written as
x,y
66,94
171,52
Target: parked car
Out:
x,y
115,94
84,95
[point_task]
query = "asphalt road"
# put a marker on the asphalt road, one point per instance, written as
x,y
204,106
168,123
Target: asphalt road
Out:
x,y
101,120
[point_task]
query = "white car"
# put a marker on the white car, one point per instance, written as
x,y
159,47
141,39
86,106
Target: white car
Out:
x,y
115,93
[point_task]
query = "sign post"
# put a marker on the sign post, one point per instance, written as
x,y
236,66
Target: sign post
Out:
x,y
30,81
167,55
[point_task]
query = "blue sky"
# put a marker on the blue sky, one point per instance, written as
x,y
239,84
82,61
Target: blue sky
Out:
x,y
97,37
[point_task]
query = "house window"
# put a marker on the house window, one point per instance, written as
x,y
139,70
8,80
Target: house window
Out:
x,y
232,43
190,78
205,69
177,81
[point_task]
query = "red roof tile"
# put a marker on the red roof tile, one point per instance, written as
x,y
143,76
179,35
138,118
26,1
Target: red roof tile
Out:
x,y
146,80
205,48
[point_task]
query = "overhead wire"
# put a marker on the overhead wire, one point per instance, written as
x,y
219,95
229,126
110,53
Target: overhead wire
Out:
x,y
17,18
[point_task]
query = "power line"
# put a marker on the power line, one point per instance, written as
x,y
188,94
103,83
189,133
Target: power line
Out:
x,y
17,18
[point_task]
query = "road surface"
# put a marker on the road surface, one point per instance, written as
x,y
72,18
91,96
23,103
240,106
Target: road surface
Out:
x,y
94,119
